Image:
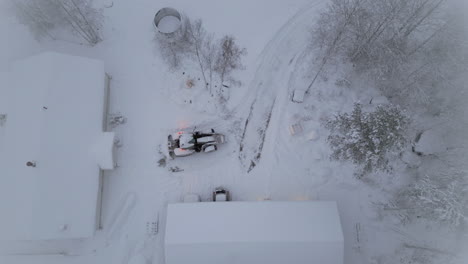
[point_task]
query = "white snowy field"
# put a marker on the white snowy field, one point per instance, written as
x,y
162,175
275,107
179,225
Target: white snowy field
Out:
x,y
286,167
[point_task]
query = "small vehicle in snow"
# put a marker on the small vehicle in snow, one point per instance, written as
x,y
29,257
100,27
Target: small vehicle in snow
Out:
x,y
184,144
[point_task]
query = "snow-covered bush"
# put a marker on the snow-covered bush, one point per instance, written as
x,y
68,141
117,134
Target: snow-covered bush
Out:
x,y
368,138
439,190
436,199
42,17
214,59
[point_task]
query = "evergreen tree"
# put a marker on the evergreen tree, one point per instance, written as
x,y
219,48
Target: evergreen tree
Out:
x,y
368,138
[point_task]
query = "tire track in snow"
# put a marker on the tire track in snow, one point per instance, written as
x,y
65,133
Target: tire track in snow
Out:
x,y
282,102
277,145
120,216
271,76
258,154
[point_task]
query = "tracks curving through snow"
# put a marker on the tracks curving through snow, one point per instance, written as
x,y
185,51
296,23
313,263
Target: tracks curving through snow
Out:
x,y
268,91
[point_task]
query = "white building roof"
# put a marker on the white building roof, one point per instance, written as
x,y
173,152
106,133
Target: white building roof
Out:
x,y
55,111
254,232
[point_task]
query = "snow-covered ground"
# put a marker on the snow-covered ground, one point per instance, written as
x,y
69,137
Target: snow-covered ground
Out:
x,y
286,167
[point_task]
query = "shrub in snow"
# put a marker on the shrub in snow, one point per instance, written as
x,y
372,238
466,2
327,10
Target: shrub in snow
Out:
x,y
44,16
439,192
368,138
432,198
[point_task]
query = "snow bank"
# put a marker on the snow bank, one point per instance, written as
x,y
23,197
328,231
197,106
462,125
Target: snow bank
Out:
x,y
430,142
103,151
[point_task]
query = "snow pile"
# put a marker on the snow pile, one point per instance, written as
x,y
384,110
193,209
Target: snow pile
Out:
x,y
103,151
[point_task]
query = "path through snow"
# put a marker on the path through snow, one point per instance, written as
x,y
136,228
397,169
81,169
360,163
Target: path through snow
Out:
x,y
271,77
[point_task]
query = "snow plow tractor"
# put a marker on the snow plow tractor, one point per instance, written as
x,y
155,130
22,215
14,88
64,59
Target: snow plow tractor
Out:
x,y
184,144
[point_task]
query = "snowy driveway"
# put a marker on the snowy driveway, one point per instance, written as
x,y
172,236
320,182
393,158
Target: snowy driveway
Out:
x,y
270,86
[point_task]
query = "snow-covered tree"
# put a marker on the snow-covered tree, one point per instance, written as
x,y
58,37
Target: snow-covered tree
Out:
x,y
442,199
368,138
330,34
439,190
43,17
389,41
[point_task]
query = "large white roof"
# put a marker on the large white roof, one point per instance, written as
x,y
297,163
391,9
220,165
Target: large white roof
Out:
x,y
254,232
55,109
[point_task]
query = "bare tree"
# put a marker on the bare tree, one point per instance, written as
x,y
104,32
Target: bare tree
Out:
x,y
214,59
385,41
202,48
85,20
330,35
229,57
36,16
45,16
